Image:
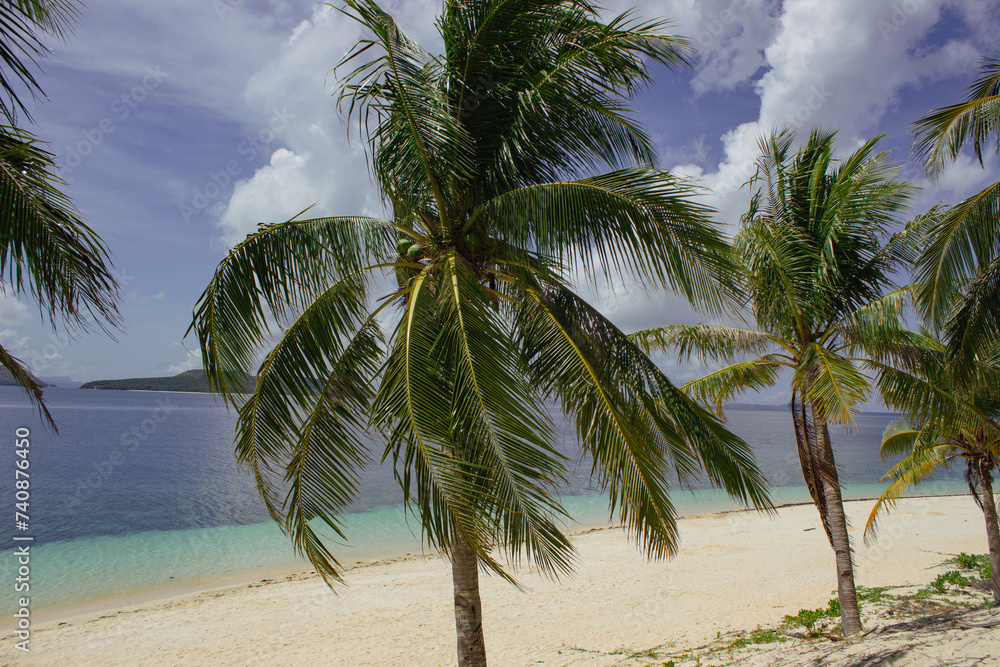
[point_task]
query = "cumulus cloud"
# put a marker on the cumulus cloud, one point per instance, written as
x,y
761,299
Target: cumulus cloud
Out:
x,y
14,343
320,163
190,362
12,311
836,65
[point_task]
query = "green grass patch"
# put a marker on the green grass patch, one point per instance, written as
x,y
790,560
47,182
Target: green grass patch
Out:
x,y
978,562
872,594
807,618
951,577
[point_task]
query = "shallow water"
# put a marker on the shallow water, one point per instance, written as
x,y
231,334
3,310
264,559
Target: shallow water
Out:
x,y
141,490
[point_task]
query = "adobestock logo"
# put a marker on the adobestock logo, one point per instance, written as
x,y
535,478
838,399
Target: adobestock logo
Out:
x,y
215,185
121,108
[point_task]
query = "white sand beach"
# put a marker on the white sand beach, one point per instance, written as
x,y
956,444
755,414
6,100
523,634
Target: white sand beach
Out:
x,y
734,571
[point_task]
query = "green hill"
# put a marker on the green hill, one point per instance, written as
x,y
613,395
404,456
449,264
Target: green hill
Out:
x,y
186,381
7,380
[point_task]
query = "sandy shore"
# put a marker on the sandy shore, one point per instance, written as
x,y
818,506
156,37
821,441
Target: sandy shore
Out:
x,y
735,571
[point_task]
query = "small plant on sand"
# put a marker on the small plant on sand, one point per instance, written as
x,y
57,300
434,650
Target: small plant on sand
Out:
x,y
807,618
955,577
980,563
759,636
872,594
968,561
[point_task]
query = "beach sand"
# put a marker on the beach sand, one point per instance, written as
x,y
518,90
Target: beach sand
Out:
x,y
734,571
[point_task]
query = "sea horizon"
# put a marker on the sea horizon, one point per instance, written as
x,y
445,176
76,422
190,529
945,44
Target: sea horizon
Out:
x,y
139,495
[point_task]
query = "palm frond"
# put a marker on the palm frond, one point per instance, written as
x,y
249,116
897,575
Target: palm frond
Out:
x,y
922,463
973,326
46,250
277,271
710,342
639,220
501,423
23,25
724,384
941,134
830,383
542,86
300,433
25,380
898,438
419,144
629,416
961,241
876,327
473,449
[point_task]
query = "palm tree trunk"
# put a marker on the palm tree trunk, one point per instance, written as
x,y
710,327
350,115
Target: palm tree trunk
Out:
x,y
840,539
468,607
988,503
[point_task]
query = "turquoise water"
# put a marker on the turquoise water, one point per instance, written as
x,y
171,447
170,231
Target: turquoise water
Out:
x,y
72,571
116,514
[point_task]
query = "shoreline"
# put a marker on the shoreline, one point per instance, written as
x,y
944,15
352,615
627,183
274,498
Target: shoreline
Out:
x,y
157,593
735,570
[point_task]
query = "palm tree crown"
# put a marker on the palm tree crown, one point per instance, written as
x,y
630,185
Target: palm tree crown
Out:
x,y
471,150
817,258
953,417
962,254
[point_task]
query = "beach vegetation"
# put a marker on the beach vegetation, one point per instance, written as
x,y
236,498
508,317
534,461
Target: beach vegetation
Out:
x,y
808,618
947,379
952,577
953,418
47,252
966,561
506,163
817,250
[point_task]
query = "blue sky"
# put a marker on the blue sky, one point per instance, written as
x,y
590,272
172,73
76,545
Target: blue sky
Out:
x,y
181,125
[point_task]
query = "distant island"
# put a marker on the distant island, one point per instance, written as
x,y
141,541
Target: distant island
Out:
x,y
7,380
187,381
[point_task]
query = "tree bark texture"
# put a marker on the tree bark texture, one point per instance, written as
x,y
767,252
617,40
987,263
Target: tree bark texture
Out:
x,y
988,503
820,471
468,607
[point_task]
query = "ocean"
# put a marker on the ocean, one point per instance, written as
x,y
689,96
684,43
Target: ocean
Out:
x,y
139,494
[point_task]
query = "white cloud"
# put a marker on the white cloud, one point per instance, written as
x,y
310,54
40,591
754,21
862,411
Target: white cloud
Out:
x,y
14,343
830,65
12,311
191,361
965,176
319,165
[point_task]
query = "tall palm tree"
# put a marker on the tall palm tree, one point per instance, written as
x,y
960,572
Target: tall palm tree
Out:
x,y
816,261
47,252
964,253
471,150
952,417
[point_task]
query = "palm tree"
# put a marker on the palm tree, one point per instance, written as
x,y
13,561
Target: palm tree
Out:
x,y
952,417
46,251
456,365
815,271
964,253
